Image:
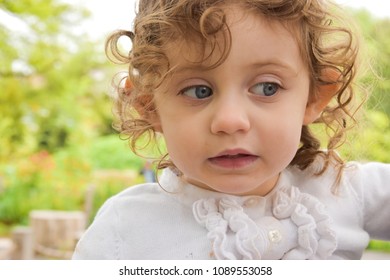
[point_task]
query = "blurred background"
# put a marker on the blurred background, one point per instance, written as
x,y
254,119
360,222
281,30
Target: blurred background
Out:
x,y
60,159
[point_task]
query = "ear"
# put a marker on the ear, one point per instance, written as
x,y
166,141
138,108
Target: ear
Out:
x,y
144,105
322,96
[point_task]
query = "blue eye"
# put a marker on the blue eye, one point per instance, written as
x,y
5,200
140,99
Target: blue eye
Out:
x,y
265,89
198,92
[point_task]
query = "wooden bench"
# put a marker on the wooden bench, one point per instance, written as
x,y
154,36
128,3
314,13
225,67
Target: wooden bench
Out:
x,y
51,234
55,233
6,248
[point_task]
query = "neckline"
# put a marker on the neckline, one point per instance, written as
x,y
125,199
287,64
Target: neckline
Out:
x,y
173,185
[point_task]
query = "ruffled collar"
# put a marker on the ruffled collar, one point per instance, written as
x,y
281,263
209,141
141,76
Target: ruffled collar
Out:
x,y
285,224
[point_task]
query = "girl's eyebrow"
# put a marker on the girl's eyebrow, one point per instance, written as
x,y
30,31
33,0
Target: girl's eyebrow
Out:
x,y
189,68
277,64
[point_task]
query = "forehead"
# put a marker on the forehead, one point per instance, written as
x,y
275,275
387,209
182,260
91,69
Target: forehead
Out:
x,y
247,35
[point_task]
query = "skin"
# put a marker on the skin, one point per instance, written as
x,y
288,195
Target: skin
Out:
x,y
234,128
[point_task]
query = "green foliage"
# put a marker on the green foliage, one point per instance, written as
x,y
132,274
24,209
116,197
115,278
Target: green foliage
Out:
x,y
370,141
45,17
379,245
4,229
113,153
376,51
51,94
59,181
41,182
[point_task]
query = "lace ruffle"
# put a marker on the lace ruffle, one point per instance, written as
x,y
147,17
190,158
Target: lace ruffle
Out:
x,y
235,235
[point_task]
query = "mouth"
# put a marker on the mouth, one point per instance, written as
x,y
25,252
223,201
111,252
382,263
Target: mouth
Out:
x,y
233,159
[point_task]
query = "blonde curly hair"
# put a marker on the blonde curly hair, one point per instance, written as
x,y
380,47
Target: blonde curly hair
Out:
x,y
325,39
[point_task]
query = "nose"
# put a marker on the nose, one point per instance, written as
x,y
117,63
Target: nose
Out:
x,y
230,116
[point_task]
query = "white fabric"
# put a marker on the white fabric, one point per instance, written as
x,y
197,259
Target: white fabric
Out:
x,y
301,218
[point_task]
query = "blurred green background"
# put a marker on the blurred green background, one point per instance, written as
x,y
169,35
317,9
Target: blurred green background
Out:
x,y
56,135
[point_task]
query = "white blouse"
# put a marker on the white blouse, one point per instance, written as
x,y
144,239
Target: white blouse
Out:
x,y
303,217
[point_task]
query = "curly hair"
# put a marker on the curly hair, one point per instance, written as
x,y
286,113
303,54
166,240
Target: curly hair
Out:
x,y
325,39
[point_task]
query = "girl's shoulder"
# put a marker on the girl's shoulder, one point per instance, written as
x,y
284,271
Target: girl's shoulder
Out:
x,y
358,173
369,179
137,196
354,179
143,189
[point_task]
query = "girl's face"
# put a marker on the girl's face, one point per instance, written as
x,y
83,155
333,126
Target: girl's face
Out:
x,y
234,128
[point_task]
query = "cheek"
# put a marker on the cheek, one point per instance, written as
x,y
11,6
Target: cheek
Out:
x,y
184,151
284,138
182,139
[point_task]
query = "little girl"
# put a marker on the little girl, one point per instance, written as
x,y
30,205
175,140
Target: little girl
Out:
x,y
234,88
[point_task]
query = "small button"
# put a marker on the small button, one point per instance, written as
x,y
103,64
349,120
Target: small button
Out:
x,y
274,236
251,202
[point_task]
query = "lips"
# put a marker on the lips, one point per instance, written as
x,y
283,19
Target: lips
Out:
x,y
233,159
